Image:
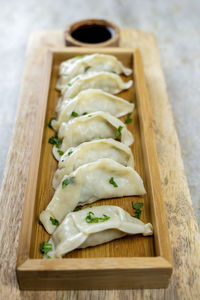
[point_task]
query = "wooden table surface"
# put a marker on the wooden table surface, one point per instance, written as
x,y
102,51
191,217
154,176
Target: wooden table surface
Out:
x,y
183,229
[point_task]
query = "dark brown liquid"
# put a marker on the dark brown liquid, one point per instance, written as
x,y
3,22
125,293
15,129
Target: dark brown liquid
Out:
x,y
92,34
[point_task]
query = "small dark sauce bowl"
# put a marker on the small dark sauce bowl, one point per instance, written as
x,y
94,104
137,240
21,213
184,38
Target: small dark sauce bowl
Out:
x,y
92,33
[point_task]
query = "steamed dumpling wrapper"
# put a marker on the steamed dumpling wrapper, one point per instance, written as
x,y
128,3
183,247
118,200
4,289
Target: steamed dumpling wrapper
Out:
x,y
90,127
108,82
90,152
92,100
102,179
87,64
79,231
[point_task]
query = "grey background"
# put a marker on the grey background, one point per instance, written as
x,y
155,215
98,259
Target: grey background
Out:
x,y
176,25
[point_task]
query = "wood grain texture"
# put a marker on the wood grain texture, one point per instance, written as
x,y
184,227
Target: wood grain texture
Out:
x,y
109,270
129,246
184,234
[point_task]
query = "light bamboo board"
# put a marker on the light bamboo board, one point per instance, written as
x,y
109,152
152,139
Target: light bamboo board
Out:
x,y
184,235
103,266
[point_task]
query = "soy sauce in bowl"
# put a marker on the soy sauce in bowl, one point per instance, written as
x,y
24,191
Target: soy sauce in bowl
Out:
x,y
92,34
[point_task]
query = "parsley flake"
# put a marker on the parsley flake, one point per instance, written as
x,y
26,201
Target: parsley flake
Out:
x,y
85,113
131,101
65,182
77,208
74,114
54,221
69,84
90,218
49,124
111,181
45,247
54,140
128,119
60,152
137,207
79,56
118,132
69,153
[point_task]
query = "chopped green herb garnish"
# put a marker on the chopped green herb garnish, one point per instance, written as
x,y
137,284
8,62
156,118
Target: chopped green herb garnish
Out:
x,y
89,115
60,152
111,181
45,247
74,114
65,182
77,208
49,124
69,84
92,219
54,140
54,221
128,119
49,256
69,153
131,101
137,207
79,56
85,113
118,132
114,72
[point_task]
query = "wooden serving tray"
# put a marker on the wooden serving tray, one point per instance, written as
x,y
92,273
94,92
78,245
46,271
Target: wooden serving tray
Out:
x,y
131,262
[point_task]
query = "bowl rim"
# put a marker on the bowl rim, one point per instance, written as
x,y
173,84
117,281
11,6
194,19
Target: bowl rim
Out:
x,y
69,40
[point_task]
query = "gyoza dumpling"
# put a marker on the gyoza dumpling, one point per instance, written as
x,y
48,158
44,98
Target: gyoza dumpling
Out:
x,y
92,100
102,179
88,64
78,230
90,152
90,127
108,82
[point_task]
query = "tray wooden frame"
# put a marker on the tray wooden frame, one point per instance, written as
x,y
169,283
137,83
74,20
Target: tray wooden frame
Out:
x,y
34,273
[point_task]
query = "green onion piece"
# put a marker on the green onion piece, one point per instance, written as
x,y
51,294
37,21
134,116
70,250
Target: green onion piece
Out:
x,y
69,153
49,124
85,113
74,114
111,181
69,84
45,247
89,115
54,140
90,218
54,221
131,101
65,182
128,119
118,132
77,208
137,207
60,152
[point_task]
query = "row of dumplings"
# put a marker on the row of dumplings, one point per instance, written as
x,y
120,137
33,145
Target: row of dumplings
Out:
x,y
94,159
